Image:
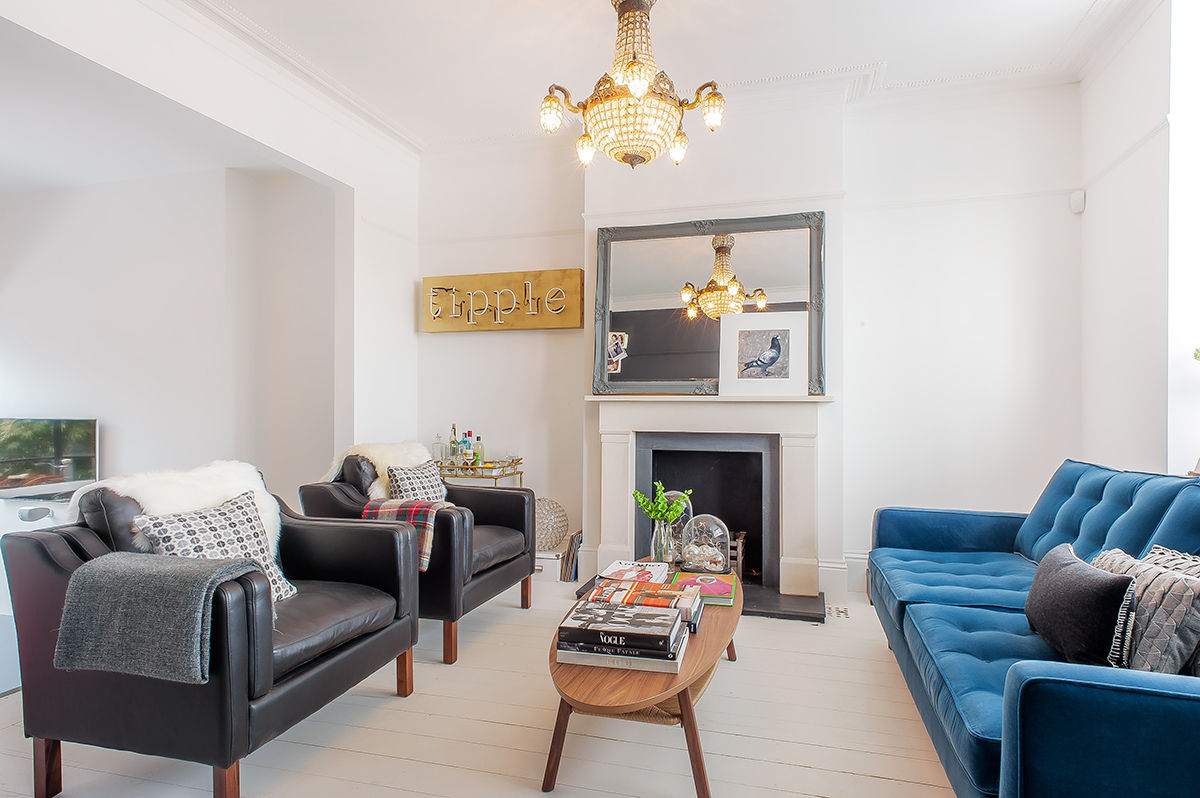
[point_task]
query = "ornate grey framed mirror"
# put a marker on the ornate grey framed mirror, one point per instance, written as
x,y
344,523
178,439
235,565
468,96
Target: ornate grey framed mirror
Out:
x,y
646,343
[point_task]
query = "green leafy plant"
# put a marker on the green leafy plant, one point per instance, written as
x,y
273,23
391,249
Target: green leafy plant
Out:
x,y
659,508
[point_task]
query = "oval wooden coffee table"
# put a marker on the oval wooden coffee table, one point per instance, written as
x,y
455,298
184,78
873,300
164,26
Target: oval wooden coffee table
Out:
x,y
666,698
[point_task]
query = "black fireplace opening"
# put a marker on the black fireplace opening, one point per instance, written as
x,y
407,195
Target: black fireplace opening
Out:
x,y
728,485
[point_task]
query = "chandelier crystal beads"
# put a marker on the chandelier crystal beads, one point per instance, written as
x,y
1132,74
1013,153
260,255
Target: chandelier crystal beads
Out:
x,y
633,114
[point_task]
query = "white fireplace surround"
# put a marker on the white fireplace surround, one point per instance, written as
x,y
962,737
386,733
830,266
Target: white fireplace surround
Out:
x,y
793,419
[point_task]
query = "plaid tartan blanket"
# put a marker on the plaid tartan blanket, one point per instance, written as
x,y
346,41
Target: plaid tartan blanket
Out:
x,y
419,514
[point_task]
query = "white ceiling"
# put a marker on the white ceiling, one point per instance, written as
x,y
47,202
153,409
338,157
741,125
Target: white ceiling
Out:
x,y
68,122
445,73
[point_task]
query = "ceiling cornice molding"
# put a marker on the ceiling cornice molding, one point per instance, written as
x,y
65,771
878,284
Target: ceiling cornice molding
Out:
x,y
1121,20
265,43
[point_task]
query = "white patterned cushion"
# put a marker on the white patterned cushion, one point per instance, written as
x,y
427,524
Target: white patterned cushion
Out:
x,y
420,484
228,531
1166,613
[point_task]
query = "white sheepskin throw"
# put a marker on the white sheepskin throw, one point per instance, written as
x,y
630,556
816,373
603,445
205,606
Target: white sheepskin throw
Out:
x,y
163,492
408,454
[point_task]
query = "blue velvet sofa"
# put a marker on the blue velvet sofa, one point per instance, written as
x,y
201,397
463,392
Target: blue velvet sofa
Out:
x,y
1006,715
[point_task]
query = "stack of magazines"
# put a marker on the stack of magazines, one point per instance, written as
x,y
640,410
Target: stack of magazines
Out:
x,y
632,636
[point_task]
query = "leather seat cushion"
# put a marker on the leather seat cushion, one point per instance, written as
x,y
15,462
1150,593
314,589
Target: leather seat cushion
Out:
x,y
110,515
963,655
322,616
492,545
902,577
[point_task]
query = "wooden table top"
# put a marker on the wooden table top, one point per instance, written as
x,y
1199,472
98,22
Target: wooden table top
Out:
x,y
615,691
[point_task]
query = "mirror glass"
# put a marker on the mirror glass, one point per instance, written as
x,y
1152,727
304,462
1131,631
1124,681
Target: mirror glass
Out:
x,y
641,270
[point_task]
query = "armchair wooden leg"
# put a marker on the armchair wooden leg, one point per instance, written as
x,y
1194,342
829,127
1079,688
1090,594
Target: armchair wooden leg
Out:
x,y
404,674
47,768
227,782
449,642
527,592
556,745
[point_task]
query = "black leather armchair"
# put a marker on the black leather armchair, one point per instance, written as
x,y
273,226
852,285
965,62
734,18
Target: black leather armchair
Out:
x,y
355,611
481,547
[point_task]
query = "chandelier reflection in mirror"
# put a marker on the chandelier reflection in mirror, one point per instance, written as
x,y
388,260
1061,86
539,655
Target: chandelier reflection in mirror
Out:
x,y
633,115
723,293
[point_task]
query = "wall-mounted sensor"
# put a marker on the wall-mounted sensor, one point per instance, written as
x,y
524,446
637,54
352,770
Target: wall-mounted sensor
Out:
x,y
33,513
1077,201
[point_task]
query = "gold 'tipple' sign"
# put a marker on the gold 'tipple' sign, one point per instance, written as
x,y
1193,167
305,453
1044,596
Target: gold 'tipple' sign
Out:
x,y
541,300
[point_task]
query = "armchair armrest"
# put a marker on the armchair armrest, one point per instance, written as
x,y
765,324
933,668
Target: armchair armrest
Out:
x,y
108,709
379,554
332,500
1083,730
510,507
945,530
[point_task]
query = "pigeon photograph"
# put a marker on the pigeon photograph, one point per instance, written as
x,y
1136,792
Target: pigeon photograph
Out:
x,y
763,354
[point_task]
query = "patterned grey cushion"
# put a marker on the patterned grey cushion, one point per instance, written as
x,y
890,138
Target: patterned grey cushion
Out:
x,y
232,530
420,484
1166,623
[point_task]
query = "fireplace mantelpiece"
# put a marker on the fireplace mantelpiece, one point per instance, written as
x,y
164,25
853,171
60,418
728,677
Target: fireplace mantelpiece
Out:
x,y
793,419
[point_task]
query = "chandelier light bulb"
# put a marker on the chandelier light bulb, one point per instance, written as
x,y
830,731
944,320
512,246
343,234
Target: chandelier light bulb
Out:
x,y
734,287
692,310
760,299
713,109
687,293
637,77
551,113
585,148
679,147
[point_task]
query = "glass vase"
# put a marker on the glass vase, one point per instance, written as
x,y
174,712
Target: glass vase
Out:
x,y
660,541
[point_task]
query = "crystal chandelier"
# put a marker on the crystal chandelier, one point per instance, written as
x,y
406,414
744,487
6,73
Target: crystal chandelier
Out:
x,y
723,293
634,114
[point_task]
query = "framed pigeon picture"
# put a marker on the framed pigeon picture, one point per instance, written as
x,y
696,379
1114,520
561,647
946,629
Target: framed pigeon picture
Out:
x,y
764,354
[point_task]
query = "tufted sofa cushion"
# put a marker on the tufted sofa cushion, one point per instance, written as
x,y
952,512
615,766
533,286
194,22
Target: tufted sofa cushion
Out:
x,y
1097,508
963,655
959,578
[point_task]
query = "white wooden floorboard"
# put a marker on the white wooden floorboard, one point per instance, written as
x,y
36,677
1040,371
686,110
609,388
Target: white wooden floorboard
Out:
x,y
807,710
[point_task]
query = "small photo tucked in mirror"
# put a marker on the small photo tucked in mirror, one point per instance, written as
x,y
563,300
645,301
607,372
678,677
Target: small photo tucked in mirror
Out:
x,y
763,354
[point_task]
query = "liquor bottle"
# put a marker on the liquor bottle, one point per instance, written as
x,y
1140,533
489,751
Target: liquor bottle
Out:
x,y
439,449
478,449
468,457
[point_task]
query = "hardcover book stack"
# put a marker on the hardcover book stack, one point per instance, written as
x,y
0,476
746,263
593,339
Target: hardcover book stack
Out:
x,y
633,618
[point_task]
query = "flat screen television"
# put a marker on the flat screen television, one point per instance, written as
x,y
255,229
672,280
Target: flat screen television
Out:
x,y
47,457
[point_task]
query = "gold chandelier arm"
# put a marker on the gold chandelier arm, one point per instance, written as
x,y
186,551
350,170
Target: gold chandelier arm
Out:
x,y
688,105
575,108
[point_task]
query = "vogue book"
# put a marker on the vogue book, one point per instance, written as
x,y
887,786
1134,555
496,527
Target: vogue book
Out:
x,y
638,663
622,625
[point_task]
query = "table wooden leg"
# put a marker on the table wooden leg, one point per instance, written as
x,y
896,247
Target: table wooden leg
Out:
x,y
692,734
556,745
731,652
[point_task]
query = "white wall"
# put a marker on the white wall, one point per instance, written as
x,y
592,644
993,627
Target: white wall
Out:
x,y
1123,289
497,209
961,306
1183,279
189,314
117,305
373,173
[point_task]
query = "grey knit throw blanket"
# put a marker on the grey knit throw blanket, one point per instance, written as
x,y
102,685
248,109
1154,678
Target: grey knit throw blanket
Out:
x,y
142,614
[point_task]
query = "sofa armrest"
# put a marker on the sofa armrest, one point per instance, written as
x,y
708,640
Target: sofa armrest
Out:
x,y
379,554
945,530
510,507
1083,730
332,500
